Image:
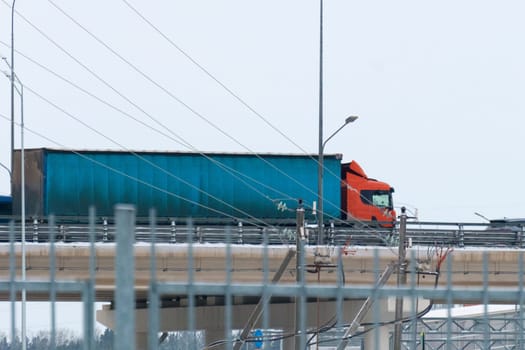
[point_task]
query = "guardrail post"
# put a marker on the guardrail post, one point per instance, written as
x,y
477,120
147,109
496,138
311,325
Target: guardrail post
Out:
x,y
35,230
62,233
520,238
105,230
263,233
173,237
198,232
240,241
332,233
461,232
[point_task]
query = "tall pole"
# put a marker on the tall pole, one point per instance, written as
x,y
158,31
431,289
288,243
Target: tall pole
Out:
x,y
23,212
320,238
20,92
12,89
320,168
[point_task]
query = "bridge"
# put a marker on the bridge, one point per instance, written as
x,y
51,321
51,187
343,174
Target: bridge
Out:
x,y
193,268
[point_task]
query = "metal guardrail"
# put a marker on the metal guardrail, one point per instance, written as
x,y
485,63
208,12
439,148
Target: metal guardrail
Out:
x,y
418,233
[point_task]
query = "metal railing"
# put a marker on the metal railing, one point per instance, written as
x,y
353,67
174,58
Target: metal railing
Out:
x,y
170,231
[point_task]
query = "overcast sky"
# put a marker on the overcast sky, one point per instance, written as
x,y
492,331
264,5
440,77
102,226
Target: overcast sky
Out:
x,y
438,87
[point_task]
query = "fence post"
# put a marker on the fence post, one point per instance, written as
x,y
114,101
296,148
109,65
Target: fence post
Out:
x,y
125,277
300,300
401,278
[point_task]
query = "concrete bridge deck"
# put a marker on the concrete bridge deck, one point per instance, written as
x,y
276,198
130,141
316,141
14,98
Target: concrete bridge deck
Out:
x,y
361,265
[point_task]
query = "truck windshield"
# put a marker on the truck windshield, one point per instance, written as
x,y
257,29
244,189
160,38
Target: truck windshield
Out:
x,y
382,199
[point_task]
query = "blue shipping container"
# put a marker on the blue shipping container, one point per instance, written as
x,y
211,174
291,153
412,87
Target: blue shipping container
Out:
x,y
176,184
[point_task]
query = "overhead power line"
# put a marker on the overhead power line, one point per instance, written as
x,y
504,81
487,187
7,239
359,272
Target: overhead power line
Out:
x,y
211,76
138,180
156,84
170,94
99,78
233,172
136,106
226,88
147,160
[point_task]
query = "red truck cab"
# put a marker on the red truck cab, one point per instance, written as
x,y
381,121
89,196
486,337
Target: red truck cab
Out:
x,y
364,199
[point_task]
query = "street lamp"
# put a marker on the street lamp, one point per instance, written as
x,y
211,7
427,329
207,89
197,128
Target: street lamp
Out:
x,y
20,92
320,174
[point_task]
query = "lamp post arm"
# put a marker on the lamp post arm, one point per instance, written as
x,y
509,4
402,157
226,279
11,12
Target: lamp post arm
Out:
x,y
335,132
348,120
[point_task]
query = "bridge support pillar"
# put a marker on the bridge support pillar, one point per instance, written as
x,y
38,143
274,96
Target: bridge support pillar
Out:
x,y
211,318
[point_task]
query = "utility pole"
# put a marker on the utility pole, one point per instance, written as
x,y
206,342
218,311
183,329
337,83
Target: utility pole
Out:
x,y
401,278
299,277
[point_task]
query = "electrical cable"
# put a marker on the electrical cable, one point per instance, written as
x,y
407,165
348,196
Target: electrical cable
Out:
x,y
441,258
212,77
158,85
132,177
182,142
146,160
232,171
233,94
148,78
186,144
173,96
322,213
330,324
165,90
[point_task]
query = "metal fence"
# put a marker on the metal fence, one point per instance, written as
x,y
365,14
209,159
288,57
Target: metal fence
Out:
x,y
274,314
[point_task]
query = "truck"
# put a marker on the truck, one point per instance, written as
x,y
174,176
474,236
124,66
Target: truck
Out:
x,y
207,187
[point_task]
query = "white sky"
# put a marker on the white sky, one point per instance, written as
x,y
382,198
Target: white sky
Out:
x,y
438,87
